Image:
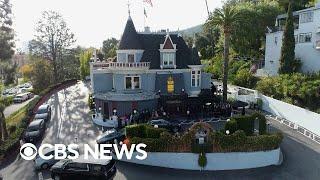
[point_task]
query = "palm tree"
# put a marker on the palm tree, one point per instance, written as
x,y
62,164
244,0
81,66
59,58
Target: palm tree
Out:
x,y
3,126
225,18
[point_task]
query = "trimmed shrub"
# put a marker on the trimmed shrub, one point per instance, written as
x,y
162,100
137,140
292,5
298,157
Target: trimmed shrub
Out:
x,y
231,126
143,131
201,148
136,130
152,132
245,123
202,161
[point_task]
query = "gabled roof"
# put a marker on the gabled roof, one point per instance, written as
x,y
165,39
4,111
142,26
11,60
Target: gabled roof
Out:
x,y
130,38
151,43
168,43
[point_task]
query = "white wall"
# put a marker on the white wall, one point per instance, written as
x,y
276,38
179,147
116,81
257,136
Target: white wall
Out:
x,y
215,161
305,51
302,117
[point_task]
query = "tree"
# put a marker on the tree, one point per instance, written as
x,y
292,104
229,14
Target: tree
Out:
x,y
225,18
6,31
52,39
41,76
9,72
109,47
84,63
3,126
26,71
287,58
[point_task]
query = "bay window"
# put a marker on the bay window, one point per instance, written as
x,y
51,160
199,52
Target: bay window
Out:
x,y
132,82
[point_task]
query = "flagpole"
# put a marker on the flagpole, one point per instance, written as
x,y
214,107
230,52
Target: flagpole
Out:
x,y
207,8
144,17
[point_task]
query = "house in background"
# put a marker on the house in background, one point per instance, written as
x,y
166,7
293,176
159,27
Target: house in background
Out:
x,y
152,71
307,35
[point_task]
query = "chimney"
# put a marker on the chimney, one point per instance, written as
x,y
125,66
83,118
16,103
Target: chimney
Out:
x,y
147,29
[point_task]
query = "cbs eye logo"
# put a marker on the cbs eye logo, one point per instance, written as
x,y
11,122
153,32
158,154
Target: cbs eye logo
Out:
x,y
28,151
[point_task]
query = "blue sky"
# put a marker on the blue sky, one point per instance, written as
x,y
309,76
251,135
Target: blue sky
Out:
x,y
96,20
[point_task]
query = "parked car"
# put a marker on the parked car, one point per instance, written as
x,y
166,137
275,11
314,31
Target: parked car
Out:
x,y
20,98
35,130
45,164
109,137
43,112
30,95
83,169
161,123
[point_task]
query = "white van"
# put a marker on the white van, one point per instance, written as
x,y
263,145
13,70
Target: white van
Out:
x,y
20,98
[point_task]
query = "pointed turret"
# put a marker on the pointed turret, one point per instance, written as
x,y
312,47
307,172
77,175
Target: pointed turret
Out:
x,y
130,38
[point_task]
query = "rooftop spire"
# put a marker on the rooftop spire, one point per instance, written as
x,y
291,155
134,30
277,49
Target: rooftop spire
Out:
x,y
129,8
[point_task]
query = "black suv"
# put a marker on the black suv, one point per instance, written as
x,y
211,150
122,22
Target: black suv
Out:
x,y
35,130
81,168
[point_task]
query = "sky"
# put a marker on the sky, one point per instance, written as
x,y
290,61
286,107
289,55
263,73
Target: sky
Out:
x,y
93,21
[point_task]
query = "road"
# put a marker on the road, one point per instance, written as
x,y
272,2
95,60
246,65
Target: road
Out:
x,y
15,107
70,121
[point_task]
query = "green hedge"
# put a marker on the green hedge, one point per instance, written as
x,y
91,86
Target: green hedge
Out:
x,y
143,131
239,142
245,123
153,145
7,101
231,126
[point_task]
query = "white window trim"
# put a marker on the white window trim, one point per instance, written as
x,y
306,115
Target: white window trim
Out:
x,y
132,81
168,65
305,13
305,35
197,78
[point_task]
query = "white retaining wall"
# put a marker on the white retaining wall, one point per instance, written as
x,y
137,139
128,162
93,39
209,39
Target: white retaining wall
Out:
x,y
215,161
304,121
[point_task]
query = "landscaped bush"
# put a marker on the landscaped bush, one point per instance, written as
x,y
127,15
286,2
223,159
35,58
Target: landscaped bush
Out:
x,y
229,143
201,148
239,142
7,101
153,145
245,123
144,131
231,126
136,130
202,161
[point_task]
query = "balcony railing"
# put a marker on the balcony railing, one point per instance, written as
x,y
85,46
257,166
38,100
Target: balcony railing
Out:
x,y
120,65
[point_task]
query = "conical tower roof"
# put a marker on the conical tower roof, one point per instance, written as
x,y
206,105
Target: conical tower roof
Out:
x,y
130,38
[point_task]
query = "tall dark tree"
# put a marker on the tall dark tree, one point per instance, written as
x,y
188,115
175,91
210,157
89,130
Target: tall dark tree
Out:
x,y
6,31
3,126
53,37
287,57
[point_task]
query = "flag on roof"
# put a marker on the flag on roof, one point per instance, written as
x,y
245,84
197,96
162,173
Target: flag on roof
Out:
x,y
145,12
149,2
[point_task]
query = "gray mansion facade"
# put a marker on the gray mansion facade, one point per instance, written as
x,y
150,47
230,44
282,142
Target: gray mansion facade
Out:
x,y
151,71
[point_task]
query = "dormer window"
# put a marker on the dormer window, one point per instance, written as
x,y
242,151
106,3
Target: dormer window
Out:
x,y
168,59
130,58
168,53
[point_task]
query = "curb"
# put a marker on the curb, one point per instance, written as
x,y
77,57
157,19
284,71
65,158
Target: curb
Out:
x,y
281,157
